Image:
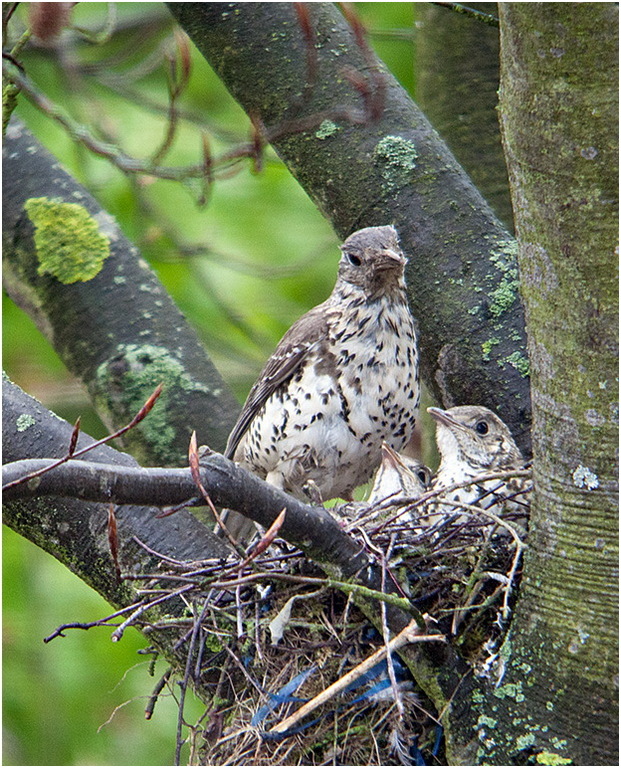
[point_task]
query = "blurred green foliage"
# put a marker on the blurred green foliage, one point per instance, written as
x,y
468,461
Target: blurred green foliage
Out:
x,y
242,268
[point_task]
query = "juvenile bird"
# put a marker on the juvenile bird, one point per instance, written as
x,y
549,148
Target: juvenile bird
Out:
x,y
343,379
398,476
472,442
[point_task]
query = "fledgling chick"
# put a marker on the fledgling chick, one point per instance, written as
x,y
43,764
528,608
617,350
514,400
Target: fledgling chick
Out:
x,y
398,476
473,441
399,479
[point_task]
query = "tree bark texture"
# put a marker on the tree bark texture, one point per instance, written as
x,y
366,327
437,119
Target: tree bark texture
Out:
x,y
559,115
118,330
371,168
457,77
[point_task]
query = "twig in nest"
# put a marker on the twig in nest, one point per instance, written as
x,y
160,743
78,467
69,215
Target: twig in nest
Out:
x,y
119,631
183,685
411,634
519,547
105,622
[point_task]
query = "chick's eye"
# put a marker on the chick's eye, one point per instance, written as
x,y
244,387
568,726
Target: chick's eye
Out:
x,y
481,427
422,476
354,260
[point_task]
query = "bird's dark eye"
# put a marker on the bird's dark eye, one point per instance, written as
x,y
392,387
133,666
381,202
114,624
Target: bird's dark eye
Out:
x,y
481,427
422,476
353,259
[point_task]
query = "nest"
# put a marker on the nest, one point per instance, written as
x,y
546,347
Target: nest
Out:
x,y
266,634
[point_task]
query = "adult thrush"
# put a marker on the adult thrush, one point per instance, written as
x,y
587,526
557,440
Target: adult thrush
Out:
x,y
473,441
343,379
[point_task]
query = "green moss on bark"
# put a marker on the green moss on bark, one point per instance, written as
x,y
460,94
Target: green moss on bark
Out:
x,y
125,383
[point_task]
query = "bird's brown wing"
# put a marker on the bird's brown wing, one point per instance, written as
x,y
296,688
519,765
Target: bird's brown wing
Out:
x,y
303,336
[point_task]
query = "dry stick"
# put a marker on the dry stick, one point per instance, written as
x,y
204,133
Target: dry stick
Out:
x,y
58,632
183,684
157,554
386,634
384,557
519,544
408,635
118,632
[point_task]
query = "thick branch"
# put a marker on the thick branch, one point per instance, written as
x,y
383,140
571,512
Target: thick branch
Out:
x,y
131,335
311,528
390,168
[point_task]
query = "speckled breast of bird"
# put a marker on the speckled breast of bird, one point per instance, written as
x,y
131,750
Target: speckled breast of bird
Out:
x,y
358,388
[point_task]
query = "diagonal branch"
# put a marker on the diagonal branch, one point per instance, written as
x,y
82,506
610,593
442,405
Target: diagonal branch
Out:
x,y
391,168
131,334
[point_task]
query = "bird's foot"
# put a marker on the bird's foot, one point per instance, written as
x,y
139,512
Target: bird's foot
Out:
x,y
311,489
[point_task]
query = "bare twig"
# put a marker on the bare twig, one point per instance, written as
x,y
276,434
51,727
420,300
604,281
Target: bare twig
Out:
x,y
220,167
73,454
183,684
179,68
145,606
148,711
105,622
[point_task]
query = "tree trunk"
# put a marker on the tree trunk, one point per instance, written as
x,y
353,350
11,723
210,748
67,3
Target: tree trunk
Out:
x,y
367,156
559,116
457,77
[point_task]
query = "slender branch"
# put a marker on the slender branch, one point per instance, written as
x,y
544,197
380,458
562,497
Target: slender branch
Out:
x,y
73,454
219,167
124,162
486,18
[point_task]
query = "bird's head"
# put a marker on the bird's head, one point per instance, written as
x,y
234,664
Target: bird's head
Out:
x,y
372,260
399,475
474,435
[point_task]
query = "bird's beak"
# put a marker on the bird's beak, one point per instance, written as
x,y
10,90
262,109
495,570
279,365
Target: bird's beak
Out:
x,y
444,417
392,259
391,457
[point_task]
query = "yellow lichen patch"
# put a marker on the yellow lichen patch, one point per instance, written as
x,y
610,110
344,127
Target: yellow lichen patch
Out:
x,y
69,245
